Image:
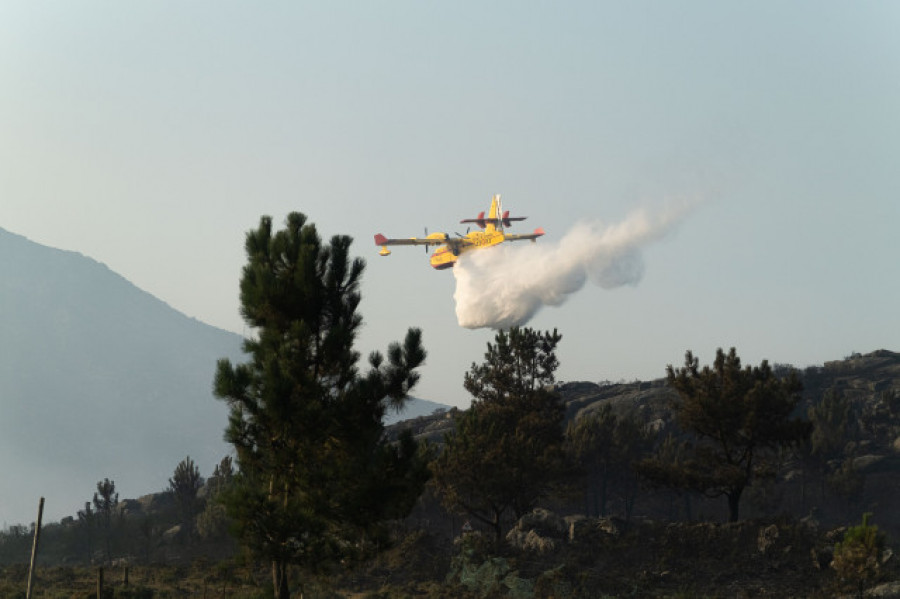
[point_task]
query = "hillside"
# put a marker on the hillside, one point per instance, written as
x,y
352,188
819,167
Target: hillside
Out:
x,y
97,379
871,385
673,544
677,543
414,408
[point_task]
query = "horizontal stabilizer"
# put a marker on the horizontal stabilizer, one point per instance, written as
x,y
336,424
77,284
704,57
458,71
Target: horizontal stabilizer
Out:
x,y
480,221
507,219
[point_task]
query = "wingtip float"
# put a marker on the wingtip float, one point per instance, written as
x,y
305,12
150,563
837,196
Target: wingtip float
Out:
x,y
491,233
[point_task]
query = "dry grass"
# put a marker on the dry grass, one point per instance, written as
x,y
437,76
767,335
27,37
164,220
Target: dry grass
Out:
x,y
143,582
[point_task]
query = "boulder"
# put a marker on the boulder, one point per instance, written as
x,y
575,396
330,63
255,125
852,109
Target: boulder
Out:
x,y
130,507
537,544
156,502
172,534
866,462
885,590
766,539
544,522
537,531
593,530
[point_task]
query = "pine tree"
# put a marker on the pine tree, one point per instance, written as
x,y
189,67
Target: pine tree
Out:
x,y
858,558
105,501
506,452
87,522
184,485
739,417
213,523
607,446
315,472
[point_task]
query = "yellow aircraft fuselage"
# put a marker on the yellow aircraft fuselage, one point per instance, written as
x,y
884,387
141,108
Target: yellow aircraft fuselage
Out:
x,y
444,257
449,249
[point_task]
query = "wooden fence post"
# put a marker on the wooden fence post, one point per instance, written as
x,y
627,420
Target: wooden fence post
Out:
x,y
34,548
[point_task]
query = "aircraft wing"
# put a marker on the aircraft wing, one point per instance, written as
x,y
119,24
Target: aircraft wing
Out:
x,y
537,233
432,239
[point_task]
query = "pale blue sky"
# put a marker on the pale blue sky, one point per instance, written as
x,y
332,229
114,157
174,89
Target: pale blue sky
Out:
x,y
152,135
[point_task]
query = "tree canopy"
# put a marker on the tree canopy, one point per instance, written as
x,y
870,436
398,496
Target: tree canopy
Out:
x,y
105,501
506,451
184,485
314,468
738,416
607,445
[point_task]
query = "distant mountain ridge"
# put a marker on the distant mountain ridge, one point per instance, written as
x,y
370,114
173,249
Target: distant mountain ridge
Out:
x,y
100,379
97,379
414,408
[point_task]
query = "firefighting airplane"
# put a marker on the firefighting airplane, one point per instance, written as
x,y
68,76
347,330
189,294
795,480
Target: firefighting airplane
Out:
x,y
451,248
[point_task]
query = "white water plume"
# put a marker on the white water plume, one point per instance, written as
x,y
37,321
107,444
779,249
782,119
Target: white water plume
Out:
x,y
506,285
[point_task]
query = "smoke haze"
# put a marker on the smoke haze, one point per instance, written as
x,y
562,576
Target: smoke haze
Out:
x,y
508,284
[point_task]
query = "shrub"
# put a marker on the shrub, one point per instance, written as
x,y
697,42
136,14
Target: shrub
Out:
x,y
857,559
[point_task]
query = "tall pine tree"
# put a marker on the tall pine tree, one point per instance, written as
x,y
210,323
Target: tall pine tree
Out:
x,y
739,417
507,450
185,485
314,469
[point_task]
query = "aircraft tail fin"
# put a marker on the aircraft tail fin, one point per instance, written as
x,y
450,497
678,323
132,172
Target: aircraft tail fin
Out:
x,y
497,217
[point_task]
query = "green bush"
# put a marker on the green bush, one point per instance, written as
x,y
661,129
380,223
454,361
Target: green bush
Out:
x,y
857,559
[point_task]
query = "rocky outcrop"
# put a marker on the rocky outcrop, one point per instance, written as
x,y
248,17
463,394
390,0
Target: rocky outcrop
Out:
x,y
431,428
540,532
549,555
